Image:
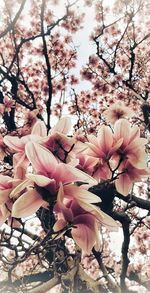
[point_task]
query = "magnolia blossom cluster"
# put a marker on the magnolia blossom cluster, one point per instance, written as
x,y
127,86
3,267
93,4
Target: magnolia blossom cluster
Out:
x,y
56,170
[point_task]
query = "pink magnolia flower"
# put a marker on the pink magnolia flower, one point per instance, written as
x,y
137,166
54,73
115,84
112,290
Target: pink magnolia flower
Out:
x,y
130,174
58,142
117,111
62,126
102,147
18,144
74,206
86,163
132,146
7,184
49,174
27,204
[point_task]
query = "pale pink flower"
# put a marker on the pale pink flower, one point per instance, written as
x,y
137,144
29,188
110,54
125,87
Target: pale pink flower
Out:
x,y
17,145
86,163
58,142
102,147
117,111
7,184
129,175
74,207
49,175
27,204
132,146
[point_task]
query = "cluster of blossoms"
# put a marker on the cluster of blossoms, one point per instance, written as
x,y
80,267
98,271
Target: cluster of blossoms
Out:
x,y
57,170
6,105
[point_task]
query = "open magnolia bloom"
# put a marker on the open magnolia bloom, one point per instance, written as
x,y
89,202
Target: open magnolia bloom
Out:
x,y
17,145
75,207
95,167
129,175
117,111
103,146
62,126
132,146
49,174
121,151
98,153
7,185
58,142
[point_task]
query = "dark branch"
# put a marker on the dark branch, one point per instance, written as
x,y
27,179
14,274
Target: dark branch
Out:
x,y
12,24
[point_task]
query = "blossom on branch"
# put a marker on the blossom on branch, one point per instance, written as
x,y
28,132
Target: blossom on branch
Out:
x,y
117,111
74,206
17,145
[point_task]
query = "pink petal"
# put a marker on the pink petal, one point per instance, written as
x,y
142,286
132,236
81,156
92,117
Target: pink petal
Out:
x,y
14,223
123,184
65,174
20,187
67,212
59,225
20,160
99,215
94,149
27,204
5,182
122,130
105,139
103,172
42,160
108,222
40,180
80,175
19,172
63,126
14,143
84,233
136,153
56,143
134,133
98,237
4,195
4,214
115,146
80,194
39,128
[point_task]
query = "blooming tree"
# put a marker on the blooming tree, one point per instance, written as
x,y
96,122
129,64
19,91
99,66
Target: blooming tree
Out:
x,y
74,202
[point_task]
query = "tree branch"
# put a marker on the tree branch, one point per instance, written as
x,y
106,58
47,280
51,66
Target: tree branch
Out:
x,y
49,80
12,24
46,286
